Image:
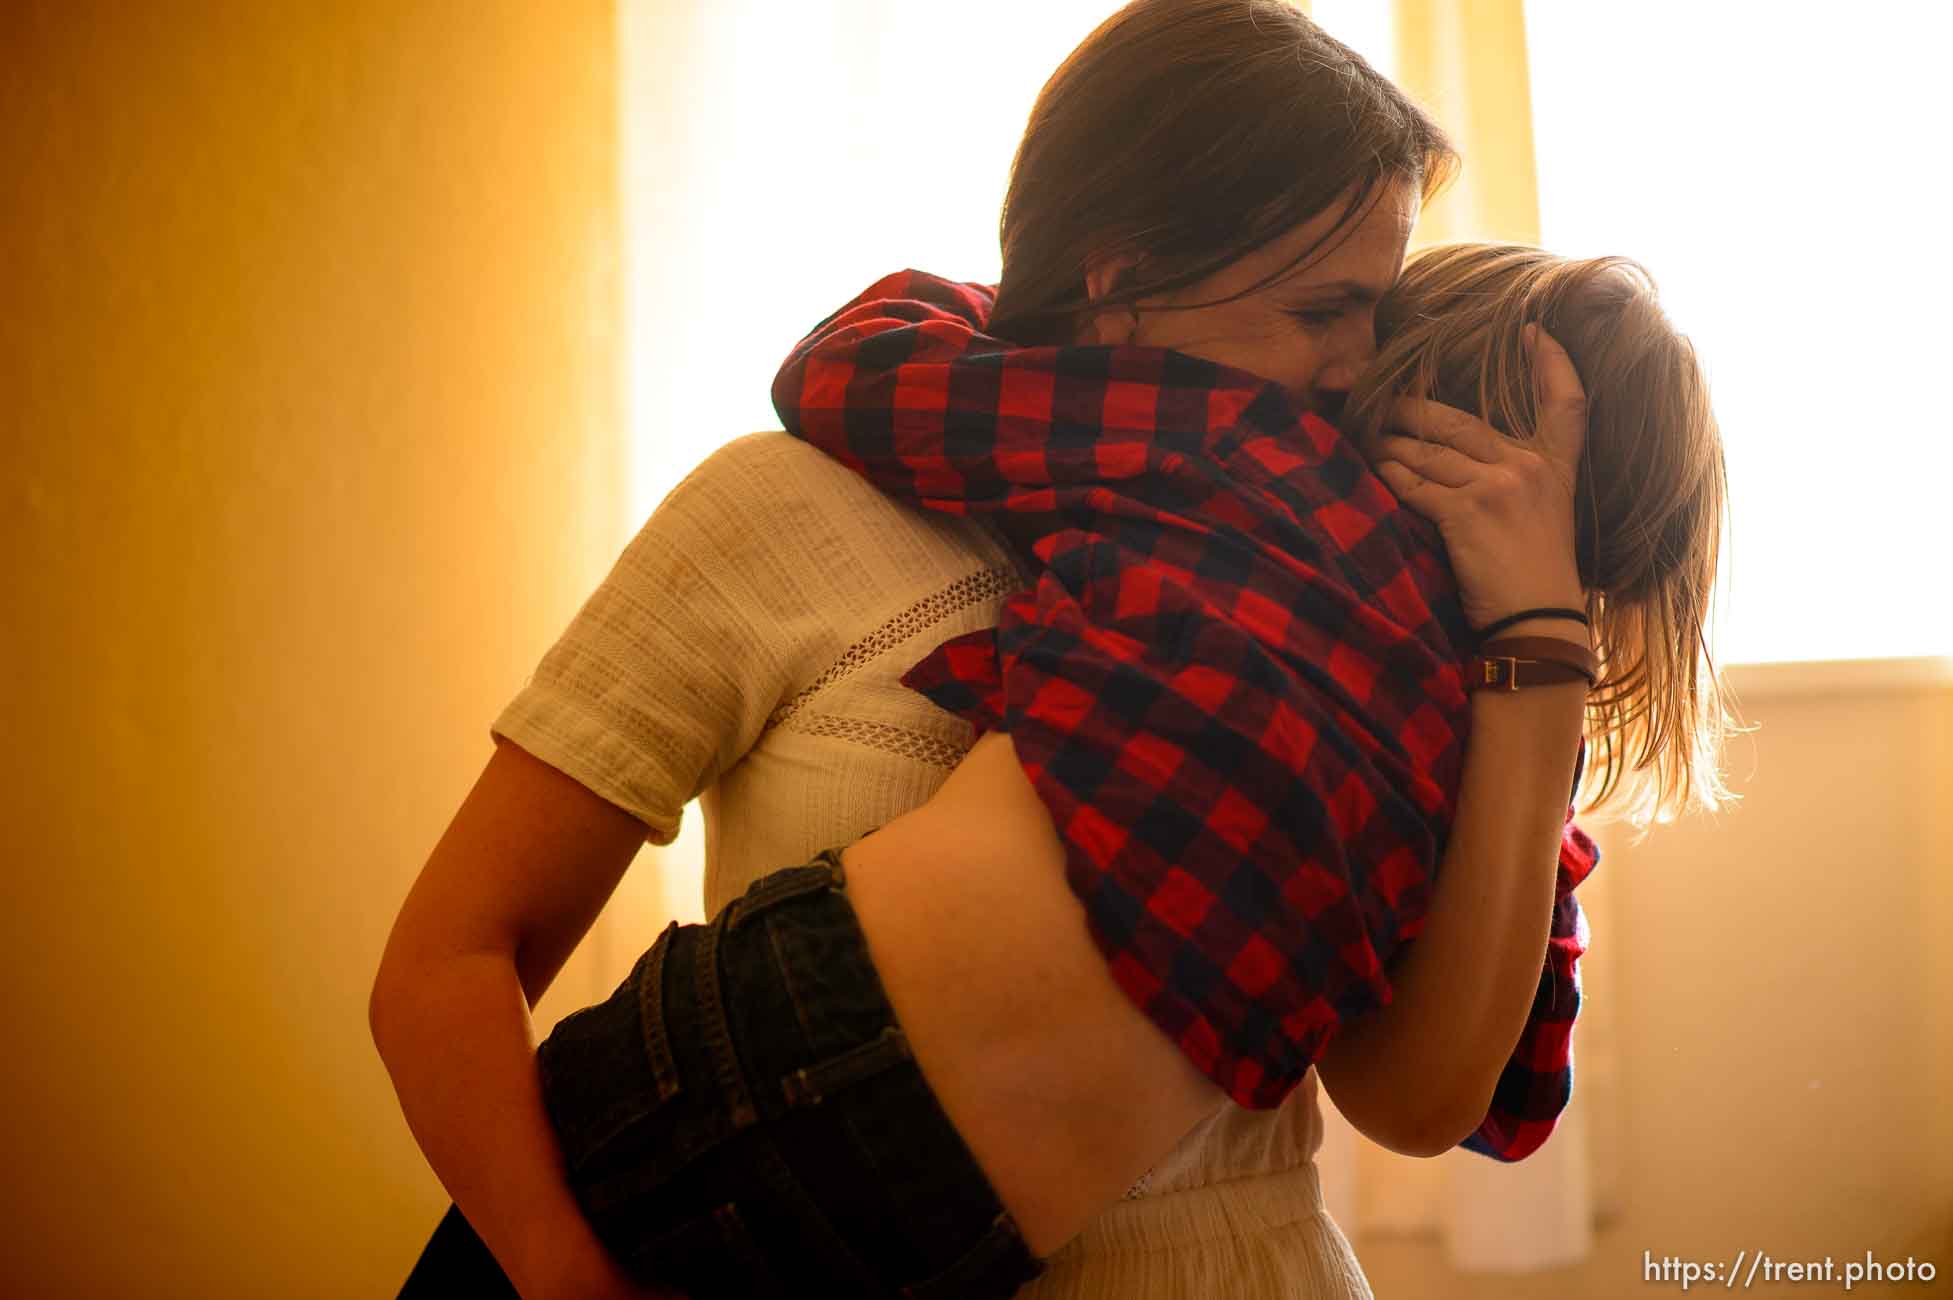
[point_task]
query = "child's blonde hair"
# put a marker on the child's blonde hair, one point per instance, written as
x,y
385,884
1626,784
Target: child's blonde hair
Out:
x,y
1649,495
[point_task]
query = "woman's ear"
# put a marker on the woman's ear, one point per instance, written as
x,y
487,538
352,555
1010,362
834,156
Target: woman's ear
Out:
x,y
1104,273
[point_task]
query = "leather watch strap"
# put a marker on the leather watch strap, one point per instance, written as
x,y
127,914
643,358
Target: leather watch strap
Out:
x,y
1510,663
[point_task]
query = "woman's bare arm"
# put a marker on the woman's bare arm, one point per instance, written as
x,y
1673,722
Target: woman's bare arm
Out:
x,y
524,868
534,852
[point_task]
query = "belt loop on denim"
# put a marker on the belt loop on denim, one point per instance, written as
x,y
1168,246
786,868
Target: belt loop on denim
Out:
x,y
837,874
651,1015
820,873
718,1038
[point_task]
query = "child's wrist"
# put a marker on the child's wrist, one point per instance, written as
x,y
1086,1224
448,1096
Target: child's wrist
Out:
x,y
1565,629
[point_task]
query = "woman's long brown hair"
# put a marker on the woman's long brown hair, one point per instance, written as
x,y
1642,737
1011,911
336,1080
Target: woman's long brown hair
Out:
x,y
1193,132
1649,497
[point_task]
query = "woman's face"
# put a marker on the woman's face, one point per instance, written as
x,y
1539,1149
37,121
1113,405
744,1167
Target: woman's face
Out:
x,y
1310,331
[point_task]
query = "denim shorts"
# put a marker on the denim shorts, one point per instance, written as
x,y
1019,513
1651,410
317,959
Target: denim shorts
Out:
x,y
743,1118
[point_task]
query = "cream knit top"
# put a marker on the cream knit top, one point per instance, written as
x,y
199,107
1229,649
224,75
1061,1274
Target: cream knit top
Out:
x,y
747,649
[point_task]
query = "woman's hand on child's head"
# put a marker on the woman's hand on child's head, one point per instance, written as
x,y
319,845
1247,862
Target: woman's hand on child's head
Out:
x,y
1504,505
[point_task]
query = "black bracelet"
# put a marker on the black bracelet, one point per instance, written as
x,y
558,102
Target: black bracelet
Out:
x,y
1577,615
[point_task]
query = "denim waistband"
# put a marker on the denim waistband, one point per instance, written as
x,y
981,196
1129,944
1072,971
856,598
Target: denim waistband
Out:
x,y
775,1089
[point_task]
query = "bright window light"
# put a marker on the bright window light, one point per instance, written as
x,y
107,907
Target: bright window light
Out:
x,y
1768,163
779,158
1777,168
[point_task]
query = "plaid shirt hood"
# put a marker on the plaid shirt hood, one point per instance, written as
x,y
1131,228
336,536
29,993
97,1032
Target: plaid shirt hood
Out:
x,y
1235,680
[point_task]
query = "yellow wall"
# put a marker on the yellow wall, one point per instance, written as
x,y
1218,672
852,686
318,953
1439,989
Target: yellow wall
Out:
x,y
312,443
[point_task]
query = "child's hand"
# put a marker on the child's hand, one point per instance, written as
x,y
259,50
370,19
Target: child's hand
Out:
x,y
1505,507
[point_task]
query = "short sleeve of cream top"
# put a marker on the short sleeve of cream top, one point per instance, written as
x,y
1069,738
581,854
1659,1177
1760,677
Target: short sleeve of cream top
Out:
x,y
747,649
748,646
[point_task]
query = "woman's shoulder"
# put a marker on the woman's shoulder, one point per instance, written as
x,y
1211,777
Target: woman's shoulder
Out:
x,y
772,493
772,467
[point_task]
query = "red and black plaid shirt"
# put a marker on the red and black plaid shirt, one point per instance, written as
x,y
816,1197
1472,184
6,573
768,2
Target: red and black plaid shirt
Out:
x,y
1235,681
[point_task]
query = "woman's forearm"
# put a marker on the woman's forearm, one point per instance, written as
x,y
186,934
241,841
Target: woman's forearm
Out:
x,y
459,1044
1417,1076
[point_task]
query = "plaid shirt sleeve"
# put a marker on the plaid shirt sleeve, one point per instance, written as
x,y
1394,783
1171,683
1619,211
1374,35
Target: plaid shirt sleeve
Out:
x,y
902,386
1537,1081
